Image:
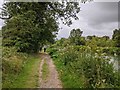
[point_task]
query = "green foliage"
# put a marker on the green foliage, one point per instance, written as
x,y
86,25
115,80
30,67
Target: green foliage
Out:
x,y
29,76
63,42
111,50
51,51
22,36
75,33
99,41
31,25
36,23
116,37
12,64
22,32
85,67
75,37
10,60
17,67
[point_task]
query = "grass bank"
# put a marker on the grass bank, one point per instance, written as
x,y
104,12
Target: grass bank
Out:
x,y
82,67
69,79
29,76
20,70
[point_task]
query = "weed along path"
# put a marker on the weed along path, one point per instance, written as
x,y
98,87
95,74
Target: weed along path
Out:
x,y
48,75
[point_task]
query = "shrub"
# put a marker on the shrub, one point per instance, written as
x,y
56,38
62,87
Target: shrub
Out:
x,y
12,63
90,64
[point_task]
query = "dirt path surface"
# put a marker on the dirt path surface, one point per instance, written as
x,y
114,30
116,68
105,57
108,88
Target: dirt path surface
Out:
x,y
52,80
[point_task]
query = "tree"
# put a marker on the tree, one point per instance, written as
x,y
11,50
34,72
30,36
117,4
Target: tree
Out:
x,y
89,37
116,37
104,41
106,37
75,33
75,37
29,25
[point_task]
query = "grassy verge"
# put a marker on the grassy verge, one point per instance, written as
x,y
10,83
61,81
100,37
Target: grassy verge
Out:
x,y
69,80
45,70
83,68
28,77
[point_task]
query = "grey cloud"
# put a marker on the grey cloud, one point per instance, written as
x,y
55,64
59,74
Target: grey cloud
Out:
x,y
106,0
108,5
97,14
1,23
1,3
96,18
119,15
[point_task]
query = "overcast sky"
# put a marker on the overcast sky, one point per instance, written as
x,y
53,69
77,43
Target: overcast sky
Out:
x,y
1,22
95,18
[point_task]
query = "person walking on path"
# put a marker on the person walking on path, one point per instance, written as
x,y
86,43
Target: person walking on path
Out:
x,y
45,48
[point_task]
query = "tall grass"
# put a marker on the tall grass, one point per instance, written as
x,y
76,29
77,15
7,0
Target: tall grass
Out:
x,y
84,67
19,70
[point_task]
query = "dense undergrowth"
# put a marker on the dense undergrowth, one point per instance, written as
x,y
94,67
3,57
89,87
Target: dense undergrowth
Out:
x,y
18,68
84,66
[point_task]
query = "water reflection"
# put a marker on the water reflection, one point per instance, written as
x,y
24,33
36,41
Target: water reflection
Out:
x,y
116,62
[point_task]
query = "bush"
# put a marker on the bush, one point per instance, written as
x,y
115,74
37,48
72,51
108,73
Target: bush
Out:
x,y
12,63
91,65
111,50
51,50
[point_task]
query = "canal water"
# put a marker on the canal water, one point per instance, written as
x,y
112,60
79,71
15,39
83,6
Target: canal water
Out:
x,y
116,62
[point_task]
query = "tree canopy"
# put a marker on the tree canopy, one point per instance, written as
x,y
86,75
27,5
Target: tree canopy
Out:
x,y
30,25
116,37
75,37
